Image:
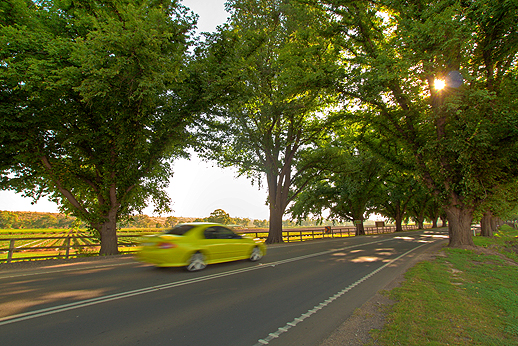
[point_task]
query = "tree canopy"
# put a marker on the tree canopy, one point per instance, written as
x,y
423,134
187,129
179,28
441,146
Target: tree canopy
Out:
x,y
265,74
348,187
90,110
462,139
97,97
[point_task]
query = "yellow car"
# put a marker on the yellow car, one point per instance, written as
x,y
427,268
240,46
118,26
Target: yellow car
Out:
x,y
194,245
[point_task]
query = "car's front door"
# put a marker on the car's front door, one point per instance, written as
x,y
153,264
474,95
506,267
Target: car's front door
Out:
x,y
213,244
232,245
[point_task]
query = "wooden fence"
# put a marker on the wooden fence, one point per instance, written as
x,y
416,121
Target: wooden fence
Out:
x,y
76,245
59,247
311,233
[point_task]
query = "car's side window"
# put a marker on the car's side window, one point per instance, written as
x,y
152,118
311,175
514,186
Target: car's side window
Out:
x,y
225,233
211,233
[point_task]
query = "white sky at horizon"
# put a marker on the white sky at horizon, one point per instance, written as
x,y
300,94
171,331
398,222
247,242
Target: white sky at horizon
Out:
x,y
197,188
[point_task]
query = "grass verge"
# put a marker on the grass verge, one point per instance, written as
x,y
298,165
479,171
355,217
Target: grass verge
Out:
x,y
464,297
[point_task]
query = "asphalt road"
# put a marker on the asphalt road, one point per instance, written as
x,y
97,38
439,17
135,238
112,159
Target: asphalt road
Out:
x,y
297,294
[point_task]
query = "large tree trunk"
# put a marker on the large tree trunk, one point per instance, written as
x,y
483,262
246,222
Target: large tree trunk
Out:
x,y
277,203
495,223
485,224
399,224
459,225
360,229
420,222
108,232
444,220
275,230
399,220
434,223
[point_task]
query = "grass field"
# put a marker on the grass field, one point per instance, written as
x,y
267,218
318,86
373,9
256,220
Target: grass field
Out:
x,y
463,297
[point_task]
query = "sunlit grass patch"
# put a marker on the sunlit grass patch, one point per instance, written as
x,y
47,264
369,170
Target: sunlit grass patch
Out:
x,y
504,241
463,298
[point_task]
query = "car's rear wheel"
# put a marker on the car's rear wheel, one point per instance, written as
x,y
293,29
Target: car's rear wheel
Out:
x,y
256,254
196,262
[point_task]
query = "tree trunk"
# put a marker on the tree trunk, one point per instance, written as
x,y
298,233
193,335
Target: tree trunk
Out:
x,y
444,220
360,229
485,224
108,232
399,222
495,223
420,222
275,230
434,223
459,225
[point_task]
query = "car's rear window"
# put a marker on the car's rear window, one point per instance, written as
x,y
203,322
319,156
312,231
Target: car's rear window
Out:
x,y
179,230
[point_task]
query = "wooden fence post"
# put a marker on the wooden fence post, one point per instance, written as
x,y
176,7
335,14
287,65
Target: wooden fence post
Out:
x,y
67,246
11,250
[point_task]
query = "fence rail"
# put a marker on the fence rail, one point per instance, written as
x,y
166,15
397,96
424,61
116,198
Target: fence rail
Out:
x,y
61,247
74,245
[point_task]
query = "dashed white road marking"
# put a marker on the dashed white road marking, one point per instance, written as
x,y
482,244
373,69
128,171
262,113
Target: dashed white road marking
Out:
x,y
309,313
98,300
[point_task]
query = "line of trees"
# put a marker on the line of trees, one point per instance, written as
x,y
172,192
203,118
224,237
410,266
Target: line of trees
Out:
x,y
29,220
289,88
222,217
333,105
32,220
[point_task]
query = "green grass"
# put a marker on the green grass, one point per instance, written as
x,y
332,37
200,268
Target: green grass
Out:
x,y
461,298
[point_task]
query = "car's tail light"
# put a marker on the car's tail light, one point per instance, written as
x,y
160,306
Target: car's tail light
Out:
x,y
166,245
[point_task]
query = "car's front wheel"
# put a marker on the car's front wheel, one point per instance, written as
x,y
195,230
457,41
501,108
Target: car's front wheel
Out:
x,y
256,254
196,262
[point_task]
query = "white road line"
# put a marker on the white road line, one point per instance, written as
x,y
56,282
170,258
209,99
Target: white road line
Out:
x,y
87,302
281,330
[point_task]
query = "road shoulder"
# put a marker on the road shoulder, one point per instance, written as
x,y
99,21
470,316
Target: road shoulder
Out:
x,y
372,315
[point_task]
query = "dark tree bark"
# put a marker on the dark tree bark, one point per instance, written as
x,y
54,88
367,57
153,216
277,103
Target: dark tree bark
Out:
x,y
275,230
420,222
444,221
459,219
108,233
360,228
485,224
399,221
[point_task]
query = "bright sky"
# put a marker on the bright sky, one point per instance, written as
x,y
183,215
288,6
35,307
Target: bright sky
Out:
x,y
197,188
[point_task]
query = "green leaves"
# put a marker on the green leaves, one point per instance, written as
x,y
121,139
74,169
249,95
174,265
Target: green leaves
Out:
x,y
92,92
269,78
454,135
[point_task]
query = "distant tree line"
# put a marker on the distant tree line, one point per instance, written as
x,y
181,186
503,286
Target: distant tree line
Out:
x,y
27,220
221,216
